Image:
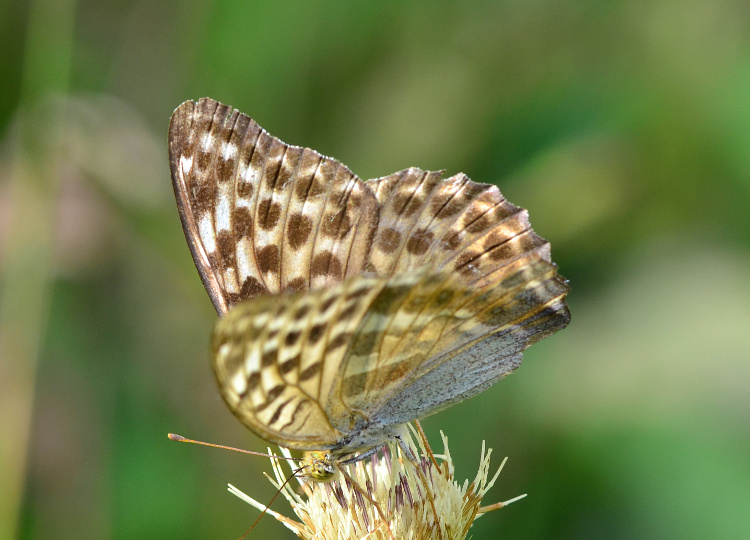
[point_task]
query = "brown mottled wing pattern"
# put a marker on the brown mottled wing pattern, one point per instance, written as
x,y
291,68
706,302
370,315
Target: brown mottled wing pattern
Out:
x,y
307,370
374,303
429,345
261,216
473,232
452,224
277,359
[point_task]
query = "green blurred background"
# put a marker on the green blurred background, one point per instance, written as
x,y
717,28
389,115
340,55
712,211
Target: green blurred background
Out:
x,y
624,128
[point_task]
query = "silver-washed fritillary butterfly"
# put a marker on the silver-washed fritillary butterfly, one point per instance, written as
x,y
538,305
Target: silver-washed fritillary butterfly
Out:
x,y
349,308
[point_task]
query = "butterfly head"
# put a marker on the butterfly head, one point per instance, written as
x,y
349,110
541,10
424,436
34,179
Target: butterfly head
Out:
x,y
318,466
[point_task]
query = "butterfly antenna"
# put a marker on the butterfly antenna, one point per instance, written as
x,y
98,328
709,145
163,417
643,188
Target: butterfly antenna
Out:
x,y
180,438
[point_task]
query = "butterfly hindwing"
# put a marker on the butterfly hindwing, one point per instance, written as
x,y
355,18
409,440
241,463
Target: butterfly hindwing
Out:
x,y
453,224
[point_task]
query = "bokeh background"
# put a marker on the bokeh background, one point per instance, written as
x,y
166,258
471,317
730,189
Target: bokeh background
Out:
x,y
623,126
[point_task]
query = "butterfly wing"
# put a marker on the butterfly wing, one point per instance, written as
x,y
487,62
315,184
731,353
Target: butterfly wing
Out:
x,y
316,370
442,341
262,216
448,342
506,295
278,358
452,224
401,295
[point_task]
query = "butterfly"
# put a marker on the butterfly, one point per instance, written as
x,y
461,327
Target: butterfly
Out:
x,y
347,307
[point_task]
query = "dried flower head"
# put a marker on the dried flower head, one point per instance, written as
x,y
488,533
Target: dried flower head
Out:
x,y
409,497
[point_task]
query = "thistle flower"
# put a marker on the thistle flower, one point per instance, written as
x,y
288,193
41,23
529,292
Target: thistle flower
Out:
x,y
409,499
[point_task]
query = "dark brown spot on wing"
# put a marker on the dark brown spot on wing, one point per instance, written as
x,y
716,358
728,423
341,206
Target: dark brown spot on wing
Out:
x,y
389,298
357,293
268,214
203,196
304,403
326,264
203,157
348,312
227,247
354,384
316,332
440,199
356,198
297,285
336,225
289,365
476,222
310,372
269,357
338,341
274,393
273,162
414,206
252,287
252,382
291,338
444,297
308,165
419,242
288,167
224,168
363,344
309,187
451,241
301,312
235,358
277,412
400,202
245,189
243,222
389,240
268,259
461,200
328,302
464,263
298,230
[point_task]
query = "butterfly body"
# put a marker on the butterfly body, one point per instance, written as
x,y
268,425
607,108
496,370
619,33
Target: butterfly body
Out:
x,y
350,308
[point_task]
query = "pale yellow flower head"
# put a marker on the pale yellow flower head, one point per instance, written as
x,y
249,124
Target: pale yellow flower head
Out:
x,y
336,510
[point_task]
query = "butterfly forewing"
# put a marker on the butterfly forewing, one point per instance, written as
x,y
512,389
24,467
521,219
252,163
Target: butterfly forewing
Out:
x,y
263,217
423,328
277,360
